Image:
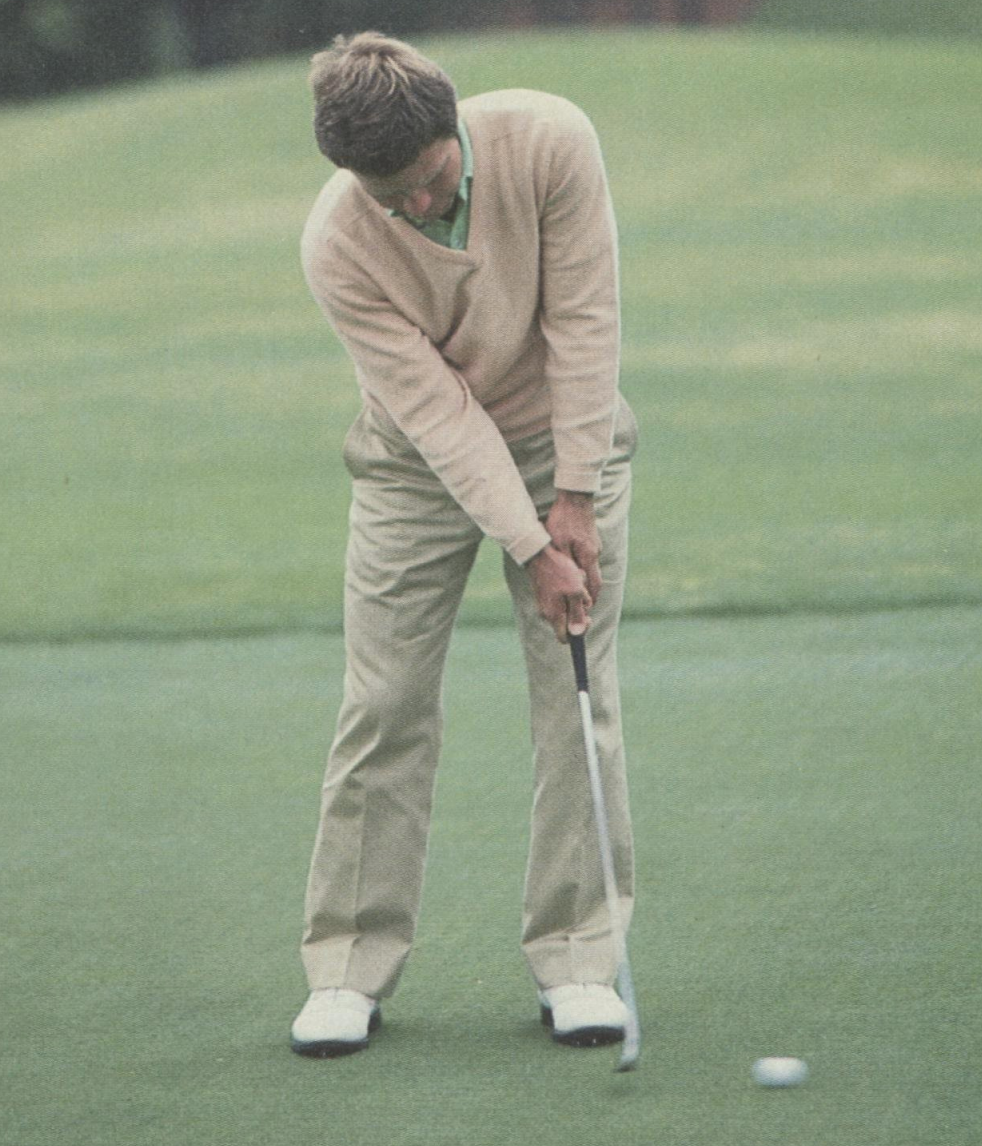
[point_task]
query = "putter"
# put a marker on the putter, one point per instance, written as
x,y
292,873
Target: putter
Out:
x,y
631,1047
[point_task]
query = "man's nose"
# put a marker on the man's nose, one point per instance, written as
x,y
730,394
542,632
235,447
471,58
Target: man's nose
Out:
x,y
417,203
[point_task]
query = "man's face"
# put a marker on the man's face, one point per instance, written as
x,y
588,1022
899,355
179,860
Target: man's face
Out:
x,y
426,188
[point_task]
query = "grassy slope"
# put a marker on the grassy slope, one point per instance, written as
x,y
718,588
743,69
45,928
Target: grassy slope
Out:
x,y
806,794
801,228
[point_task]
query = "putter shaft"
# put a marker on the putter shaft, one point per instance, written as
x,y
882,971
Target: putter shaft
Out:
x,y
631,1047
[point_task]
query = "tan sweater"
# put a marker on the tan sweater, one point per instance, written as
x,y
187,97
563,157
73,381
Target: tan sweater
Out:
x,y
464,351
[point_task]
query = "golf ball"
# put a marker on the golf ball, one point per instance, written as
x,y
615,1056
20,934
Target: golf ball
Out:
x,y
780,1071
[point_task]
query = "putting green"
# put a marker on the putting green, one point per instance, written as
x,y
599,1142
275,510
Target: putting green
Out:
x,y
805,793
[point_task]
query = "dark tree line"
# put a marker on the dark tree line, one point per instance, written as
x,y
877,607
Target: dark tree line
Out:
x,y
49,46
52,46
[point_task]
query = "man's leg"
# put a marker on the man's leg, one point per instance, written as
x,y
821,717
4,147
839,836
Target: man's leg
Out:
x,y
566,934
409,553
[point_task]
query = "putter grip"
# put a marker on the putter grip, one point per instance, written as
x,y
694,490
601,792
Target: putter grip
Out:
x,y
577,646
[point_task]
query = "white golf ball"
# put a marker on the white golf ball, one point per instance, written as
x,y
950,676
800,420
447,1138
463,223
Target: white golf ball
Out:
x,y
780,1071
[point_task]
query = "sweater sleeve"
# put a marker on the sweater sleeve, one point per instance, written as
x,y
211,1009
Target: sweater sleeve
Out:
x,y
580,306
431,403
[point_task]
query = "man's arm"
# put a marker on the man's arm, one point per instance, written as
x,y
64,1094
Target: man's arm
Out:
x,y
580,312
580,321
433,406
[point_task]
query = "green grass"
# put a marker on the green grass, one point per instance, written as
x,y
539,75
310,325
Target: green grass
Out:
x,y
805,792
801,233
939,18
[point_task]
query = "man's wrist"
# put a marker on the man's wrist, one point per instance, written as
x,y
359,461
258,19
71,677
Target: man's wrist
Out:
x,y
539,553
575,496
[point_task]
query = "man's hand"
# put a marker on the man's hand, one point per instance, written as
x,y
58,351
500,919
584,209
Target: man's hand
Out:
x,y
560,592
573,528
566,574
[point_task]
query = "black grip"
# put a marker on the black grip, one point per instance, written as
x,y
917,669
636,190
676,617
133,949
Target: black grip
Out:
x,y
577,646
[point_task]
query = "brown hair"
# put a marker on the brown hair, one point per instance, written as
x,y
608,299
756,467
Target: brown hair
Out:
x,y
378,103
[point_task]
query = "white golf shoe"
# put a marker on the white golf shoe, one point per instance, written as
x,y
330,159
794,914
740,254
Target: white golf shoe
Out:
x,y
583,1014
333,1022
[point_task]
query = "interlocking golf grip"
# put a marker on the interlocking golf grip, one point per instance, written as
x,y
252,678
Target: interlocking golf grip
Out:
x,y
577,646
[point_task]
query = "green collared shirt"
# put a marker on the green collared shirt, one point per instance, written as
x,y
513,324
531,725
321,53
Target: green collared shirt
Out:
x,y
452,232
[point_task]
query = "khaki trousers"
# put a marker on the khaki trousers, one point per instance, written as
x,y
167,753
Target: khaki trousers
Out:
x,y
410,550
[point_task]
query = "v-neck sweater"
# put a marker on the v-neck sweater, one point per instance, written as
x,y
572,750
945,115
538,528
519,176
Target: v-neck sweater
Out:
x,y
451,229
460,352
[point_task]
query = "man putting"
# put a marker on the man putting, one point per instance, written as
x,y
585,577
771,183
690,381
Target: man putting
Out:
x,y
466,256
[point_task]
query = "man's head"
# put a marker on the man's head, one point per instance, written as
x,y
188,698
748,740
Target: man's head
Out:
x,y
379,104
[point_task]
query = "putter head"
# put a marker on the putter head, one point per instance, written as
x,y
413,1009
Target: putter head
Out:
x,y
631,1047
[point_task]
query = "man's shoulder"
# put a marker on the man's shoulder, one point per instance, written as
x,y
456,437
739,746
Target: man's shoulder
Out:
x,y
521,109
338,210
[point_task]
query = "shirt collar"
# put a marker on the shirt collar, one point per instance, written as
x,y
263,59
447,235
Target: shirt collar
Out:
x,y
467,158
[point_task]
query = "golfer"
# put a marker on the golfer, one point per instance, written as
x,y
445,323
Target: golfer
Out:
x,y
465,254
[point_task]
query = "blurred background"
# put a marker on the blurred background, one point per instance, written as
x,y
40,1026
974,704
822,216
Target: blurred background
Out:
x,y
797,189
50,46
